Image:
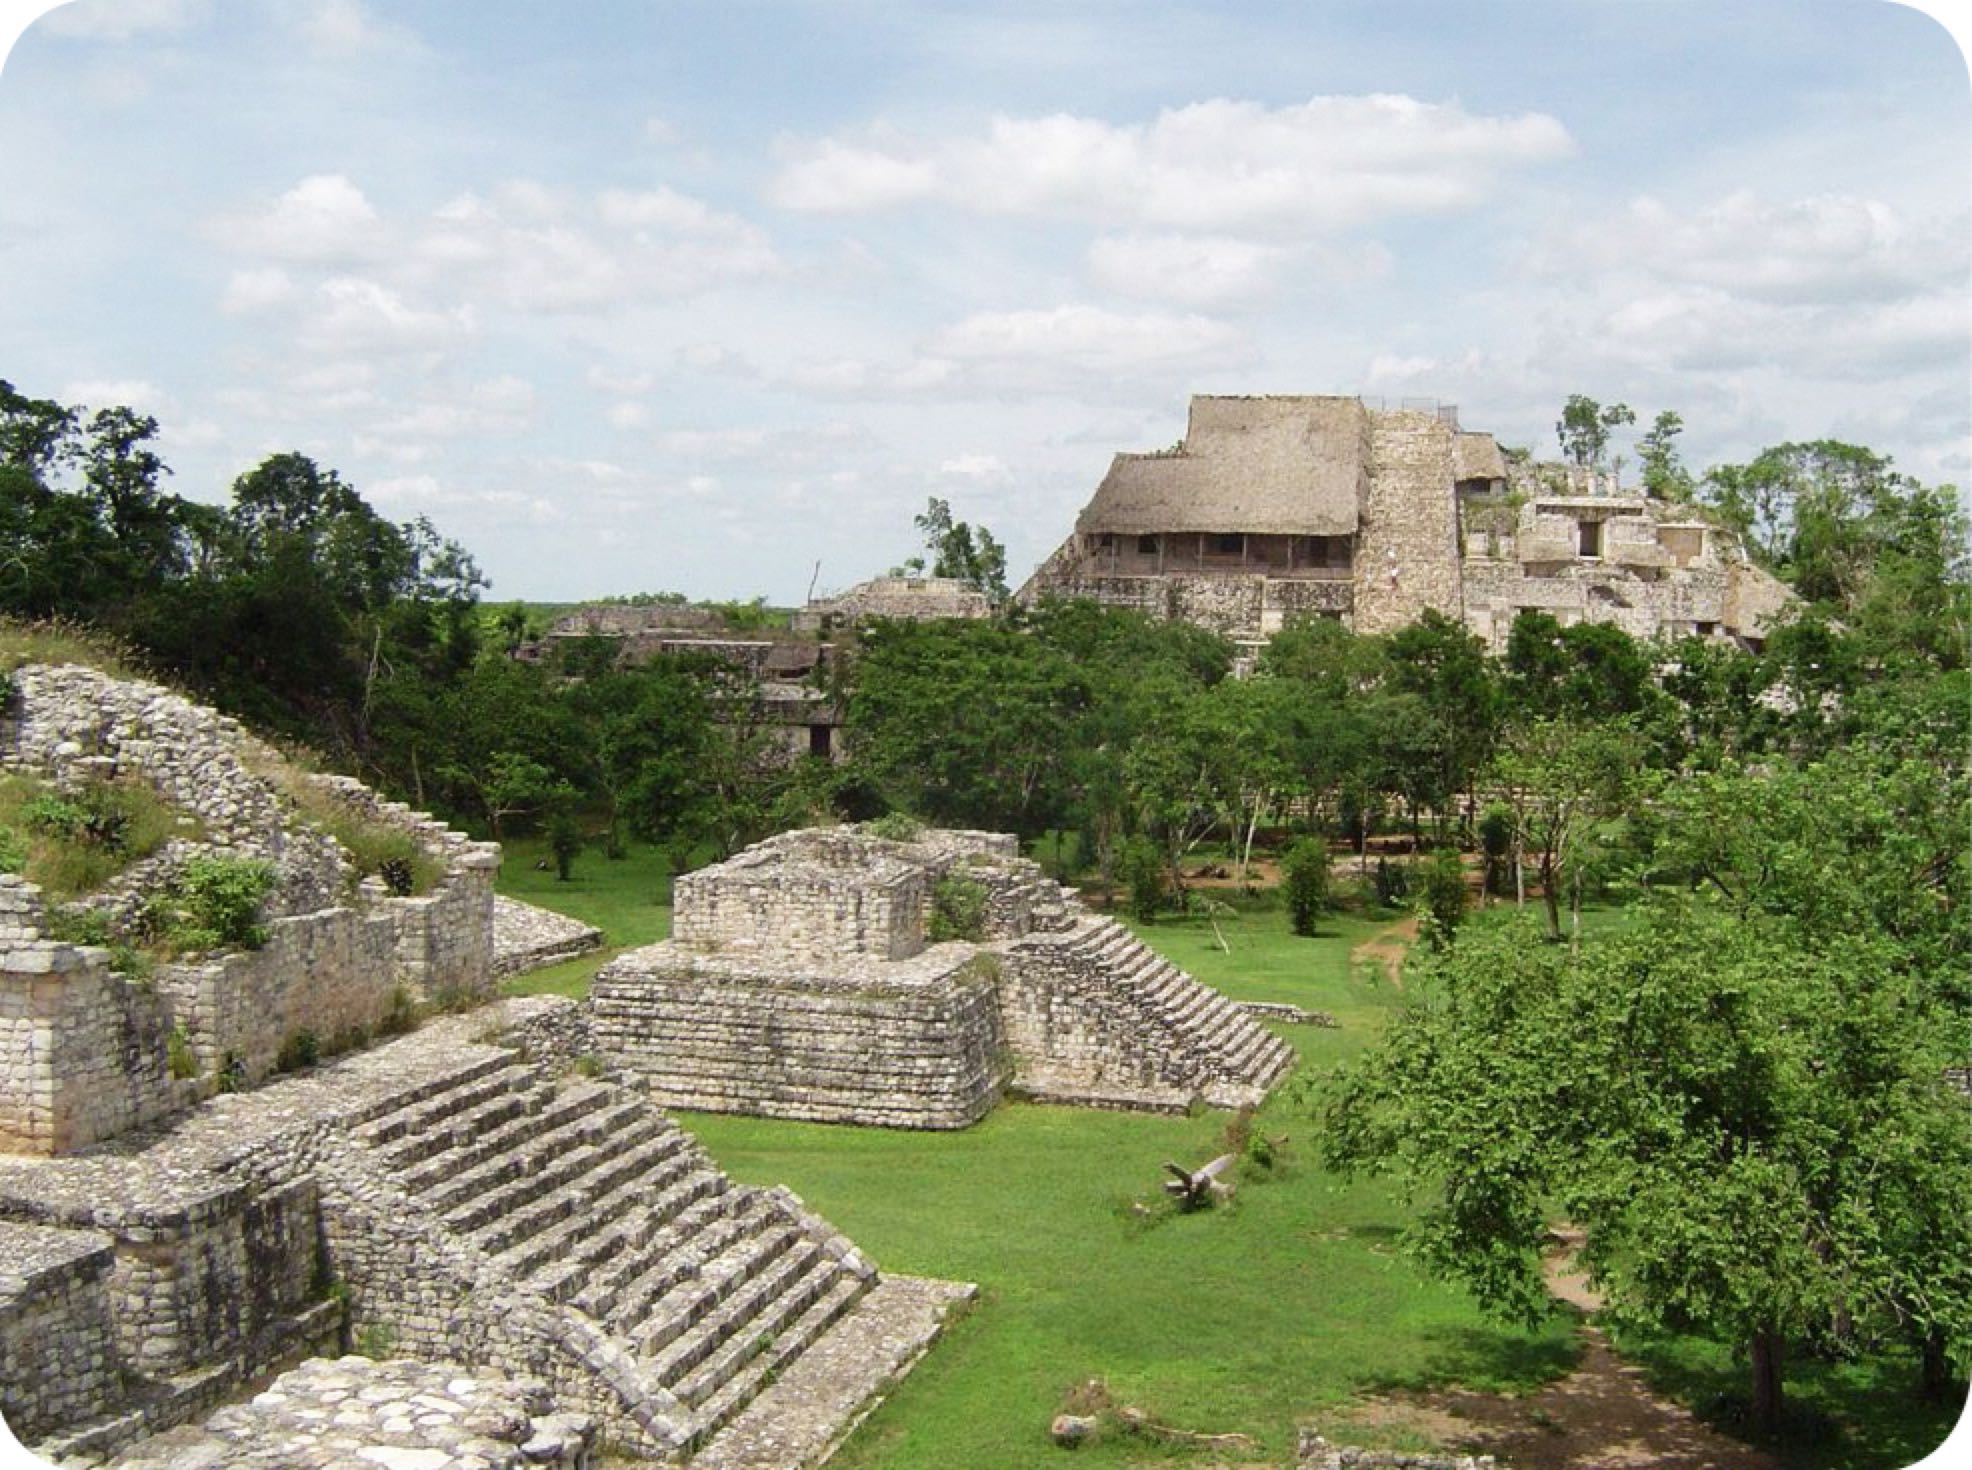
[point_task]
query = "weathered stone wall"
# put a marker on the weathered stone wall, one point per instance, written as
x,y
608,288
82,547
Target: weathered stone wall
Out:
x,y
58,1361
817,894
70,722
920,1049
526,937
83,1051
1240,605
1407,551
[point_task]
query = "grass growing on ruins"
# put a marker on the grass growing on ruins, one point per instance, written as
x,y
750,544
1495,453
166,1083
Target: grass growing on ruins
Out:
x,y
66,643
72,843
629,899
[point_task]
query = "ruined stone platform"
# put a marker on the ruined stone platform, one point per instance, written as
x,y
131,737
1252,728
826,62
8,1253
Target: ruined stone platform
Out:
x,y
357,1414
804,979
473,1196
528,937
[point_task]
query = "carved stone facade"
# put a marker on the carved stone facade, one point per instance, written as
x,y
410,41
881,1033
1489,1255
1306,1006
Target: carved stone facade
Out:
x,y
803,980
1273,508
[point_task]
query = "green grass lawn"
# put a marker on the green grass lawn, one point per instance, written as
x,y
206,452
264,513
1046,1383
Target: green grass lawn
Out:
x,y
629,900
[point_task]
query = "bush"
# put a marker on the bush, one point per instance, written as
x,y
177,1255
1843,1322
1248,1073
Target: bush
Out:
x,y
301,1049
1304,872
1141,867
13,851
958,910
1393,883
566,842
213,903
178,1054
1444,896
72,842
1496,842
895,827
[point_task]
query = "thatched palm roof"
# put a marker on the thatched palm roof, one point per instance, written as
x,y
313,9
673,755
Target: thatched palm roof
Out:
x,y
1293,466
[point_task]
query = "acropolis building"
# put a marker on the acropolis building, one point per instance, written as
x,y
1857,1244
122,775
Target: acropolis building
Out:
x,y
1276,507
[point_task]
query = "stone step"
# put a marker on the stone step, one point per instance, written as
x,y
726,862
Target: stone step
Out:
x,y
622,1287
481,1164
799,1280
805,1331
466,1090
522,1207
377,1108
558,1260
691,1300
730,1324
707,1227
459,1129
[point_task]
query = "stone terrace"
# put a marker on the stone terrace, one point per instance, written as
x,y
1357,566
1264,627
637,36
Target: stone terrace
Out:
x,y
799,983
476,1204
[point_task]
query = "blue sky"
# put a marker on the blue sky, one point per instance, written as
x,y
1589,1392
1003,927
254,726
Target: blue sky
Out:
x,y
695,296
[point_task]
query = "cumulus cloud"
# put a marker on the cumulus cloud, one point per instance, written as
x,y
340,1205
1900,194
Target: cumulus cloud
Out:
x,y
119,20
340,29
324,219
1819,249
1190,270
1331,163
1093,340
138,393
256,289
353,314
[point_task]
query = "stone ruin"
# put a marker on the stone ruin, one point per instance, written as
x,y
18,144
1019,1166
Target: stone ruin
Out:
x,y
805,979
478,1201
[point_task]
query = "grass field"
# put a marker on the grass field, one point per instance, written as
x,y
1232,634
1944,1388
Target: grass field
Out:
x,y
1281,1308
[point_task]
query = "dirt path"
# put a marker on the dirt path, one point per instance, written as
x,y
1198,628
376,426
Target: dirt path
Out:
x,y
1602,1416
1386,948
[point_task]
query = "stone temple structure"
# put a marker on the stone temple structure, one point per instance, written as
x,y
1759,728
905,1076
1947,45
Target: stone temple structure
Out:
x,y
810,977
1273,508
190,1204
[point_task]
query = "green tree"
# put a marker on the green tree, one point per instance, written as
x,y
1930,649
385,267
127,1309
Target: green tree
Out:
x,y
1304,874
968,553
1584,427
1730,1114
1664,474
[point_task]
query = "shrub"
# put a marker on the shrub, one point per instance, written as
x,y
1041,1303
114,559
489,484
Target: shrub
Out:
x,y
1393,883
1141,867
230,1073
1444,896
1496,842
301,1049
213,903
13,851
895,827
566,842
958,910
1304,871
178,1054
72,842
400,1013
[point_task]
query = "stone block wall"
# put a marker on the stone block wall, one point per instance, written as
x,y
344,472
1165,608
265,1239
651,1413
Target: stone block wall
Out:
x,y
922,1050
1407,557
816,894
58,1362
1064,1017
83,1051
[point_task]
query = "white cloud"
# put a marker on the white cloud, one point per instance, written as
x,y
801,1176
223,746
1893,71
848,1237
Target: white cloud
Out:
x,y
137,393
1188,270
1092,340
1331,163
256,289
980,469
119,20
353,314
324,219
1819,249
627,414
343,28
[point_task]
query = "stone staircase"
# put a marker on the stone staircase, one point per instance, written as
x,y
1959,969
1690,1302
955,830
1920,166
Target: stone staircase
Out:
x,y
583,1195
1187,1040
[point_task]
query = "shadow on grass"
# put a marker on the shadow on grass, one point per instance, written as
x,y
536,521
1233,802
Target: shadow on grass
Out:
x,y
1486,1360
1839,1414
